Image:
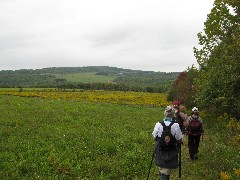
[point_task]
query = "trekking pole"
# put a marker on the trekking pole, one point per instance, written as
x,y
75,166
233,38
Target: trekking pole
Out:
x,y
150,166
180,162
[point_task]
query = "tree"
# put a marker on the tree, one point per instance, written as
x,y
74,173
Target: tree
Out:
x,y
218,58
184,88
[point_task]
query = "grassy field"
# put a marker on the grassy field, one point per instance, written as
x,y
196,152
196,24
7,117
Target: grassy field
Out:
x,y
86,78
46,138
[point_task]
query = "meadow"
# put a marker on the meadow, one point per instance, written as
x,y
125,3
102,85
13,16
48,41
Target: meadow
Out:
x,y
113,97
43,137
86,77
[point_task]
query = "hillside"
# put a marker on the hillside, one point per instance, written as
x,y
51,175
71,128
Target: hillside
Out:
x,y
90,77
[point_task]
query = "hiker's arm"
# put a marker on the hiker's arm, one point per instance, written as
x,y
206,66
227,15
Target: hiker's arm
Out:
x,y
183,116
185,125
202,129
180,142
202,133
178,133
156,131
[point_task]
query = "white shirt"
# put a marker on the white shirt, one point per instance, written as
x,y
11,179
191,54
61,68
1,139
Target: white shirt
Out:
x,y
175,130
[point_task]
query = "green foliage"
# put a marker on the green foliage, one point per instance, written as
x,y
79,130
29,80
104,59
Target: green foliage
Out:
x,y
221,151
26,80
218,81
215,86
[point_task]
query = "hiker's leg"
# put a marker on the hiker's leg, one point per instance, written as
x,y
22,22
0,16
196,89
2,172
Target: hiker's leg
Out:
x,y
164,173
164,176
196,145
191,146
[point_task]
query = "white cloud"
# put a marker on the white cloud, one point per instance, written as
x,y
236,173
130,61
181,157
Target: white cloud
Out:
x,y
137,34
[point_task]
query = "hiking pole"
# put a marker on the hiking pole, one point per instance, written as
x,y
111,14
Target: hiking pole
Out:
x,y
150,166
180,162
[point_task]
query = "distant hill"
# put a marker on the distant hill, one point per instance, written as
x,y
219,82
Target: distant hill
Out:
x,y
89,77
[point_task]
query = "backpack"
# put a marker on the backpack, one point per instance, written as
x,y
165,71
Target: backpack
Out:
x,y
195,127
167,141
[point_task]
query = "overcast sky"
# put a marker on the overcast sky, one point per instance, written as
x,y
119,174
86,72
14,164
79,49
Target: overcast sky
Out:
x,y
151,35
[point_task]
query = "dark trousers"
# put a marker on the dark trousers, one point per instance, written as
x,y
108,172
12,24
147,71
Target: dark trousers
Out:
x,y
193,144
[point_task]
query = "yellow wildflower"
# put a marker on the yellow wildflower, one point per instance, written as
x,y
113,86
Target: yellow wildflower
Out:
x,y
237,172
224,176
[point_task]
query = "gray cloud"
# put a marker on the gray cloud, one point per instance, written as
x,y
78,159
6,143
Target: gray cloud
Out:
x,y
136,34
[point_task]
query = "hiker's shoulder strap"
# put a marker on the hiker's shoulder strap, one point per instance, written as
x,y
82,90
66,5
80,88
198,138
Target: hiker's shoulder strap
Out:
x,y
163,124
195,119
170,125
192,118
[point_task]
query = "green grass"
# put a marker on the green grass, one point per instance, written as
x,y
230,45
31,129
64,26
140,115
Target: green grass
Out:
x,y
67,139
86,78
58,139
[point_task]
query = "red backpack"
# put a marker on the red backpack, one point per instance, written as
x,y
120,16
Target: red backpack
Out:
x,y
195,127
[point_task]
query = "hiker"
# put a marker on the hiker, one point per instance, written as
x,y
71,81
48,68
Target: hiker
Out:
x,y
195,131
166,147
179,116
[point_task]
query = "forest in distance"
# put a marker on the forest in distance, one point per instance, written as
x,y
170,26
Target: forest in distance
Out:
x,y
90,78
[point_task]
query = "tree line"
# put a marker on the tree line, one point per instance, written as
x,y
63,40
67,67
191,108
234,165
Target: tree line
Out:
x,y
126,79
215,85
